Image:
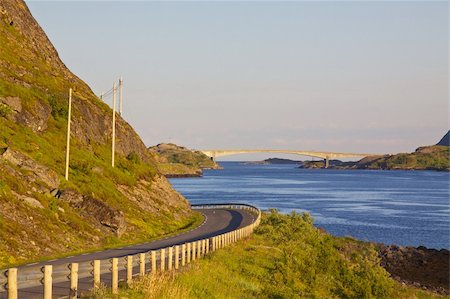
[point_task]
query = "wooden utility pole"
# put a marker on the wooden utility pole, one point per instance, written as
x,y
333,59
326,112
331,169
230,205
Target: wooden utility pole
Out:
x,y
113,125
120,96
68,134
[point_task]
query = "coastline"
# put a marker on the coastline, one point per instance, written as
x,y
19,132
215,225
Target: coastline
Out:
x,y
183,175
421,267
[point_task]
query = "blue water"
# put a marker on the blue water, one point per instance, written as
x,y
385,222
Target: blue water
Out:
x,y
409,208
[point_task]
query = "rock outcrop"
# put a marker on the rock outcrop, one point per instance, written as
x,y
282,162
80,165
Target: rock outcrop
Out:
x,y
155,197
27,170
96,211
421,267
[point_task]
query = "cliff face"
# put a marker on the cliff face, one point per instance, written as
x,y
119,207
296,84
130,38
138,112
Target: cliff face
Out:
x,y
41,214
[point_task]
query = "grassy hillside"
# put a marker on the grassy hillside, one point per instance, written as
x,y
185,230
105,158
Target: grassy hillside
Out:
x,y
41,214
434,157
174,160
429,157
287,257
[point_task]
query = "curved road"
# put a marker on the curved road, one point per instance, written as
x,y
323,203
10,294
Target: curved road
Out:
x,y
217,221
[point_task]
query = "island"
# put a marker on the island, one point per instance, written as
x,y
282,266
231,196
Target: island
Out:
x,y
178,161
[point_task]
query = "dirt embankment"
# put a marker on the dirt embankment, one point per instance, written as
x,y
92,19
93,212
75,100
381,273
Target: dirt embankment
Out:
x,y
419,267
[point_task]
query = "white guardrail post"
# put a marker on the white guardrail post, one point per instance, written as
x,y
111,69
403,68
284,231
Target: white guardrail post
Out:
x,y
194,249
129,269
73,294
170,259
96,273
114,275
12,283
48,283
162,259
177,256
183,255
141,264
153,262
188,253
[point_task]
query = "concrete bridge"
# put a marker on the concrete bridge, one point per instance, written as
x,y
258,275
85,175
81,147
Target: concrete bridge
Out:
x,y
322,155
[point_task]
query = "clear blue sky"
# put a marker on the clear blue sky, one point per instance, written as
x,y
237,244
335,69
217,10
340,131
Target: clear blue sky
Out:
x,y
334,76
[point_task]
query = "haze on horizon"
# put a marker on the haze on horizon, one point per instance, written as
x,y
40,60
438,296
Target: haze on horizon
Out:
x,y
330,76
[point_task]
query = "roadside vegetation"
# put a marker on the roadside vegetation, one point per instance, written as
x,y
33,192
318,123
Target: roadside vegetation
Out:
x,y
287,257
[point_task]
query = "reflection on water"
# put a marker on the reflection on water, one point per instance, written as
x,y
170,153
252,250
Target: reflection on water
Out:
x,y
402,207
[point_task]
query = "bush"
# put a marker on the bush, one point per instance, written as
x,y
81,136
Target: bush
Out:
x,y
133,157
60,107
5,110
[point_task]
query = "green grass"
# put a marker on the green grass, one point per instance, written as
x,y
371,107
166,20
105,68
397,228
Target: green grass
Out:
x,y
287,257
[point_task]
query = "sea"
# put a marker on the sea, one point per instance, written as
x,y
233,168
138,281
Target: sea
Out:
x,y
407,208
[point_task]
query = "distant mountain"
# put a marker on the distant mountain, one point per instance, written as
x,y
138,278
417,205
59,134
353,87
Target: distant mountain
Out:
x,y
445,141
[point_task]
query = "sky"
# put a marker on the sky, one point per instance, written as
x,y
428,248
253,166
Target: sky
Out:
x,y
368,77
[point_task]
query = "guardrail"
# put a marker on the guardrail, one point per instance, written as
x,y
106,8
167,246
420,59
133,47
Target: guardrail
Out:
x,y
168,258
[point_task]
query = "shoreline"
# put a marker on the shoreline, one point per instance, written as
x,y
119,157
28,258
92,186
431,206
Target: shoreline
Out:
x,y
185,175
421,267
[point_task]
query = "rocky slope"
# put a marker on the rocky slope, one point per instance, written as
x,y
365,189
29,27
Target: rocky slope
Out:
x,y
41,214
178,161
421,267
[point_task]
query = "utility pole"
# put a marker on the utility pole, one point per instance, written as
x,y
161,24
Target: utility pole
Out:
x,y
101,96
68,134
113,125
120,95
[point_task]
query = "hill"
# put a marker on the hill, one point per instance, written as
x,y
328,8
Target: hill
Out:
x,y
433,157
178,161
445,141
424,158
41,214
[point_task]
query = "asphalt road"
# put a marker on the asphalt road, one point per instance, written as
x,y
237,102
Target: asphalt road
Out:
x,y
217,221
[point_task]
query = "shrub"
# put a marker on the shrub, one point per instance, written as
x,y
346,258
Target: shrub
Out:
x,y
133,157
60,107
5,110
